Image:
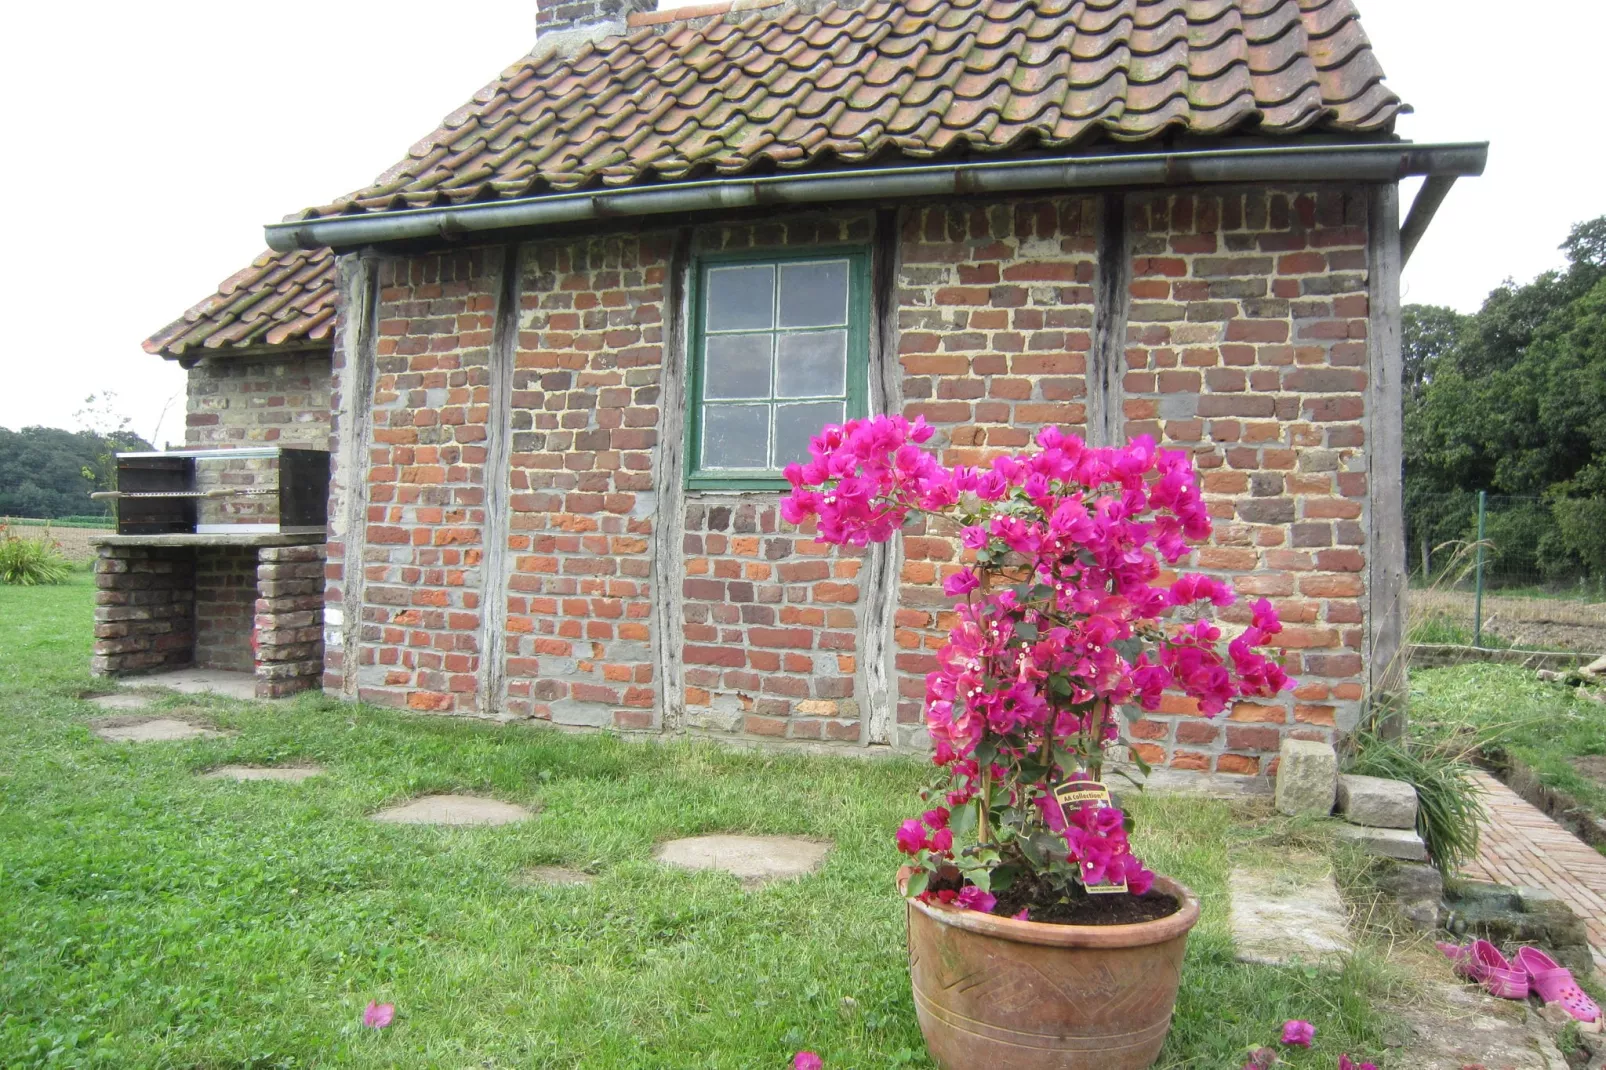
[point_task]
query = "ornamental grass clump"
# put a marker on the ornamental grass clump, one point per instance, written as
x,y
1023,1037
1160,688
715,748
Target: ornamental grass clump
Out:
x,y
31,562
1058,631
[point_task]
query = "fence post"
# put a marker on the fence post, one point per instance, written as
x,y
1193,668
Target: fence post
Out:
x,y
1477,605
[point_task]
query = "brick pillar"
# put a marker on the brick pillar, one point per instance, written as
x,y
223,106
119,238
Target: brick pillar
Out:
x,y
289,620
144,609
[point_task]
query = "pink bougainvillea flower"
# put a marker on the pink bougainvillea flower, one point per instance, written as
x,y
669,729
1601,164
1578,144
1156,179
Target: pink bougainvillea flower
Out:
x,y
973,898
1261,1059
1344,1063
960,583
1024,915
937,819
807,1060
911,836
1297,1032
378,1015
942,841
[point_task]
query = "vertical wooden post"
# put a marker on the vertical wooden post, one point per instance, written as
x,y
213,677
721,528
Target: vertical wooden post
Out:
x,y
1385,617
494,565
669,521
1106,369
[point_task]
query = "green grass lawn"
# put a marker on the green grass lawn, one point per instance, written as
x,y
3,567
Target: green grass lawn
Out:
x,y
1544,725
150,918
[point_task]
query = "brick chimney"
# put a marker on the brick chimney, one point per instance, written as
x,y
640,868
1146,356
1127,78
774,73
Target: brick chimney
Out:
x,y
562,16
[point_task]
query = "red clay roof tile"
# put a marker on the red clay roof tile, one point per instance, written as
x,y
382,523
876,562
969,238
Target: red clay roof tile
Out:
x,y
675,98
281,300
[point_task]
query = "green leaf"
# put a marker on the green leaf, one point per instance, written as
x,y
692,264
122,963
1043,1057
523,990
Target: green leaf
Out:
x,y
1129,648
917,883
1026,630
1137,759
981,878
1003,876
962,819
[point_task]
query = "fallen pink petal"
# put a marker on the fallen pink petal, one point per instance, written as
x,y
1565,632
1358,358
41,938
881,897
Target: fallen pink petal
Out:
x,y
1298,1033
378,1015
807,1060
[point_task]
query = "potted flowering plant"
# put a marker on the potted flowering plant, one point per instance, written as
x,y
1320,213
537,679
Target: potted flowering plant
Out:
x,y
1036,936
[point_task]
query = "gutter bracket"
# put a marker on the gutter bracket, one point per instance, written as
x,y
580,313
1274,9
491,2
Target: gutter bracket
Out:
x,y
1423,208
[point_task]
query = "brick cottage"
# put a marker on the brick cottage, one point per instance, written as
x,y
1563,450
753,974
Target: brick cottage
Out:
x,y
560,352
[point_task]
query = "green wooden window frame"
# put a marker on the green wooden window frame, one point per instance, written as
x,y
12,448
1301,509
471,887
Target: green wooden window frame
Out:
x,y
857,376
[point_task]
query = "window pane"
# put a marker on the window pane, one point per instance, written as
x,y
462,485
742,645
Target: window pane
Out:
x,y
736,436
814,294
741,298
737,366
812,365
796,424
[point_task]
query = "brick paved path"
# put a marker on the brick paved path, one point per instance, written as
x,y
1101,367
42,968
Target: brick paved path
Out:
x,y
1520,845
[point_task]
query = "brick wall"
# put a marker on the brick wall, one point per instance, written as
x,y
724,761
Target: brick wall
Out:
x,y
144,609
225,607
995,324
420,611
584,420
242,401
1247,346
288,619
613,597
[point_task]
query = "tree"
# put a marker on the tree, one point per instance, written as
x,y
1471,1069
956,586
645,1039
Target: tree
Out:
x,y
42,470
1512,399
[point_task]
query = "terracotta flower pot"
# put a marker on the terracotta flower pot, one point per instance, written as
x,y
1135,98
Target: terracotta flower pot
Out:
x,y
995,993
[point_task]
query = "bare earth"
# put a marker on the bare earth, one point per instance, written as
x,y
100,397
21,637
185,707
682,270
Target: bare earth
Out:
x,y
1532,623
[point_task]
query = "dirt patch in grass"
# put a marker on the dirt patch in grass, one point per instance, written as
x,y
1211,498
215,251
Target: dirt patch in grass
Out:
x,y
1531,623
1592,767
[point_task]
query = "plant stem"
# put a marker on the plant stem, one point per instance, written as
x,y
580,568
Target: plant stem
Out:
x,y
983,833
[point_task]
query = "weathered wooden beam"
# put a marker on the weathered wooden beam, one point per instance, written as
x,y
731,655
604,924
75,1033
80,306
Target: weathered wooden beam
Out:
x,y
1112,302
1385,587
352,428
494,565
883,561
669,493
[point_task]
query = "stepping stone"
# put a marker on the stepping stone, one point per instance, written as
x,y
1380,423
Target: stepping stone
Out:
x,y
554,875
453,810
122,700
754,860
1289,915
292,773
153,730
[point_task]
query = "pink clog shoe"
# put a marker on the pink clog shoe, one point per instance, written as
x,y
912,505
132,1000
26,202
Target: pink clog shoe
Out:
x,y
1554,984
1482,962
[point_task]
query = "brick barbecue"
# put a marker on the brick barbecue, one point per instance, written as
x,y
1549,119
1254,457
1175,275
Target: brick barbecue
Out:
x,y
217,564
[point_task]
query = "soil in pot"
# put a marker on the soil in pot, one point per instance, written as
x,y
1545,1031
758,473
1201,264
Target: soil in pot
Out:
x,y
1044,903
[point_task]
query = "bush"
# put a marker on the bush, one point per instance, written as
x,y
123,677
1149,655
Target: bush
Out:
x,y
1581,532
1448,808
30,562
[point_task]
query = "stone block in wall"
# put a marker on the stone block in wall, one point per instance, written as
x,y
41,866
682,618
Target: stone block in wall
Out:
x,y
1307,778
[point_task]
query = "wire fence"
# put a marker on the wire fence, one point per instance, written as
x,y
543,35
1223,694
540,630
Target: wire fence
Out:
x,y
1507,570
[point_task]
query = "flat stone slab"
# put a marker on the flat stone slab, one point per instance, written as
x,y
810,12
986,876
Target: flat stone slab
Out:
x,y
1287,916
1403,844
453,810
555,875
754,860
123,700
203,681
1455,1027
293,773
151,730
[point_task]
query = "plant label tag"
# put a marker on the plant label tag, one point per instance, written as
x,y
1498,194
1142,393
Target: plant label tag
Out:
x,y
1072,796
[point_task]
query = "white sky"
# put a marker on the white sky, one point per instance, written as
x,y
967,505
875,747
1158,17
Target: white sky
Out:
x,y
148,142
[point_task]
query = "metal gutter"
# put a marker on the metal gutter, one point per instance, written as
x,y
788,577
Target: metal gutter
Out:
x,y
1387,162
